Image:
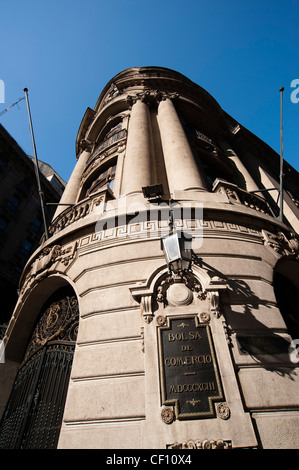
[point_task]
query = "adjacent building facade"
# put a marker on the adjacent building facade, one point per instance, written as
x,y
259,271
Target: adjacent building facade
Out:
x,y
21,223
160,312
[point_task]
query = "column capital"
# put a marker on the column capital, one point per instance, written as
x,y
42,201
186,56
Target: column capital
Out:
x,y
151,97
170,96
85,145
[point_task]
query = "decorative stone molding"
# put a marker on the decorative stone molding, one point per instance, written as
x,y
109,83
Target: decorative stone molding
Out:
x,y
142,339
113,92
237,195
222,410
161,320
77,212
204,317
179,294
281,243
204,444
156,228
48,256
214,288
179,290
151,97
166,290
146,308
85,145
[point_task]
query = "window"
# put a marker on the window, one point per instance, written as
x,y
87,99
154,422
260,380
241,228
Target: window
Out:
x,y
3,224
36,226
13,203
3,161
25,187
105,178
26,248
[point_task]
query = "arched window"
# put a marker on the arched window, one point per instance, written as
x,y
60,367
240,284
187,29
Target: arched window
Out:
x,y
34,412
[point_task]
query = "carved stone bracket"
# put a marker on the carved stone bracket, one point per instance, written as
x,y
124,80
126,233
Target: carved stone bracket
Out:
x,y
146,305
281,243
86,145
214,288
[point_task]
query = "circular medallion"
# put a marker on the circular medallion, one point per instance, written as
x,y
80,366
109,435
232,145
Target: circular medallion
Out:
x,y
178,294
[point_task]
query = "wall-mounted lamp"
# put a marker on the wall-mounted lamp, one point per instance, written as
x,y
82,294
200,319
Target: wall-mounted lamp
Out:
x,y
177,251
154,191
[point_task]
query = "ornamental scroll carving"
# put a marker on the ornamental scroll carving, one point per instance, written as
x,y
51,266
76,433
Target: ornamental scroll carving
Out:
x,y
167,290
203,444
151,97
59,322
281,243
177,291
45,261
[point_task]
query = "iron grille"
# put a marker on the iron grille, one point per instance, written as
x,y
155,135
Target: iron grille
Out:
x,y
33,416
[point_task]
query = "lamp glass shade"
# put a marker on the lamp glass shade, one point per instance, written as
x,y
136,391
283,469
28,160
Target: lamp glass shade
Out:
x,y
171,248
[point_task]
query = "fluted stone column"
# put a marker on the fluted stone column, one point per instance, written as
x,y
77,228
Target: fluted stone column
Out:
x,y
70,193
182,171
137,162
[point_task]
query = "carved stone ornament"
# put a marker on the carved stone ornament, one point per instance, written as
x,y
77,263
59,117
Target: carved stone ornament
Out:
x,y
204,317
214,288
179,294
146,306
150,96
222,410
179,291
281,243
45,261
204,444
86,145
60,321
167,415
161,320
74,213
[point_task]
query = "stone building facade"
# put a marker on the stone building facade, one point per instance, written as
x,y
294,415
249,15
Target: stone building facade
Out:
x,y
118,346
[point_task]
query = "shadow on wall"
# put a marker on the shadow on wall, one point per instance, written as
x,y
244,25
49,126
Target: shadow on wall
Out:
x,y
267,348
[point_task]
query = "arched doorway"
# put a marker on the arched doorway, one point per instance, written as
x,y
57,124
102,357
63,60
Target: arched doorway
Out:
x,y
34,411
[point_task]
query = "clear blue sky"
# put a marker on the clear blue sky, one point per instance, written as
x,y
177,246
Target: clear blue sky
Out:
x,y
66,51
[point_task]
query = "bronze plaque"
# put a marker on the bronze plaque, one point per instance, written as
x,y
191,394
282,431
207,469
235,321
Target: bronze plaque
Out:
x,y
189,373
262,344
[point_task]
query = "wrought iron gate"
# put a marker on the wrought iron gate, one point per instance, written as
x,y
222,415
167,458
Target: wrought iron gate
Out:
x,y
34,411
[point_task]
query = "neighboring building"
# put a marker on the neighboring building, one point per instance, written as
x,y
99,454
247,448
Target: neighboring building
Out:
x,y
139,350
21,223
